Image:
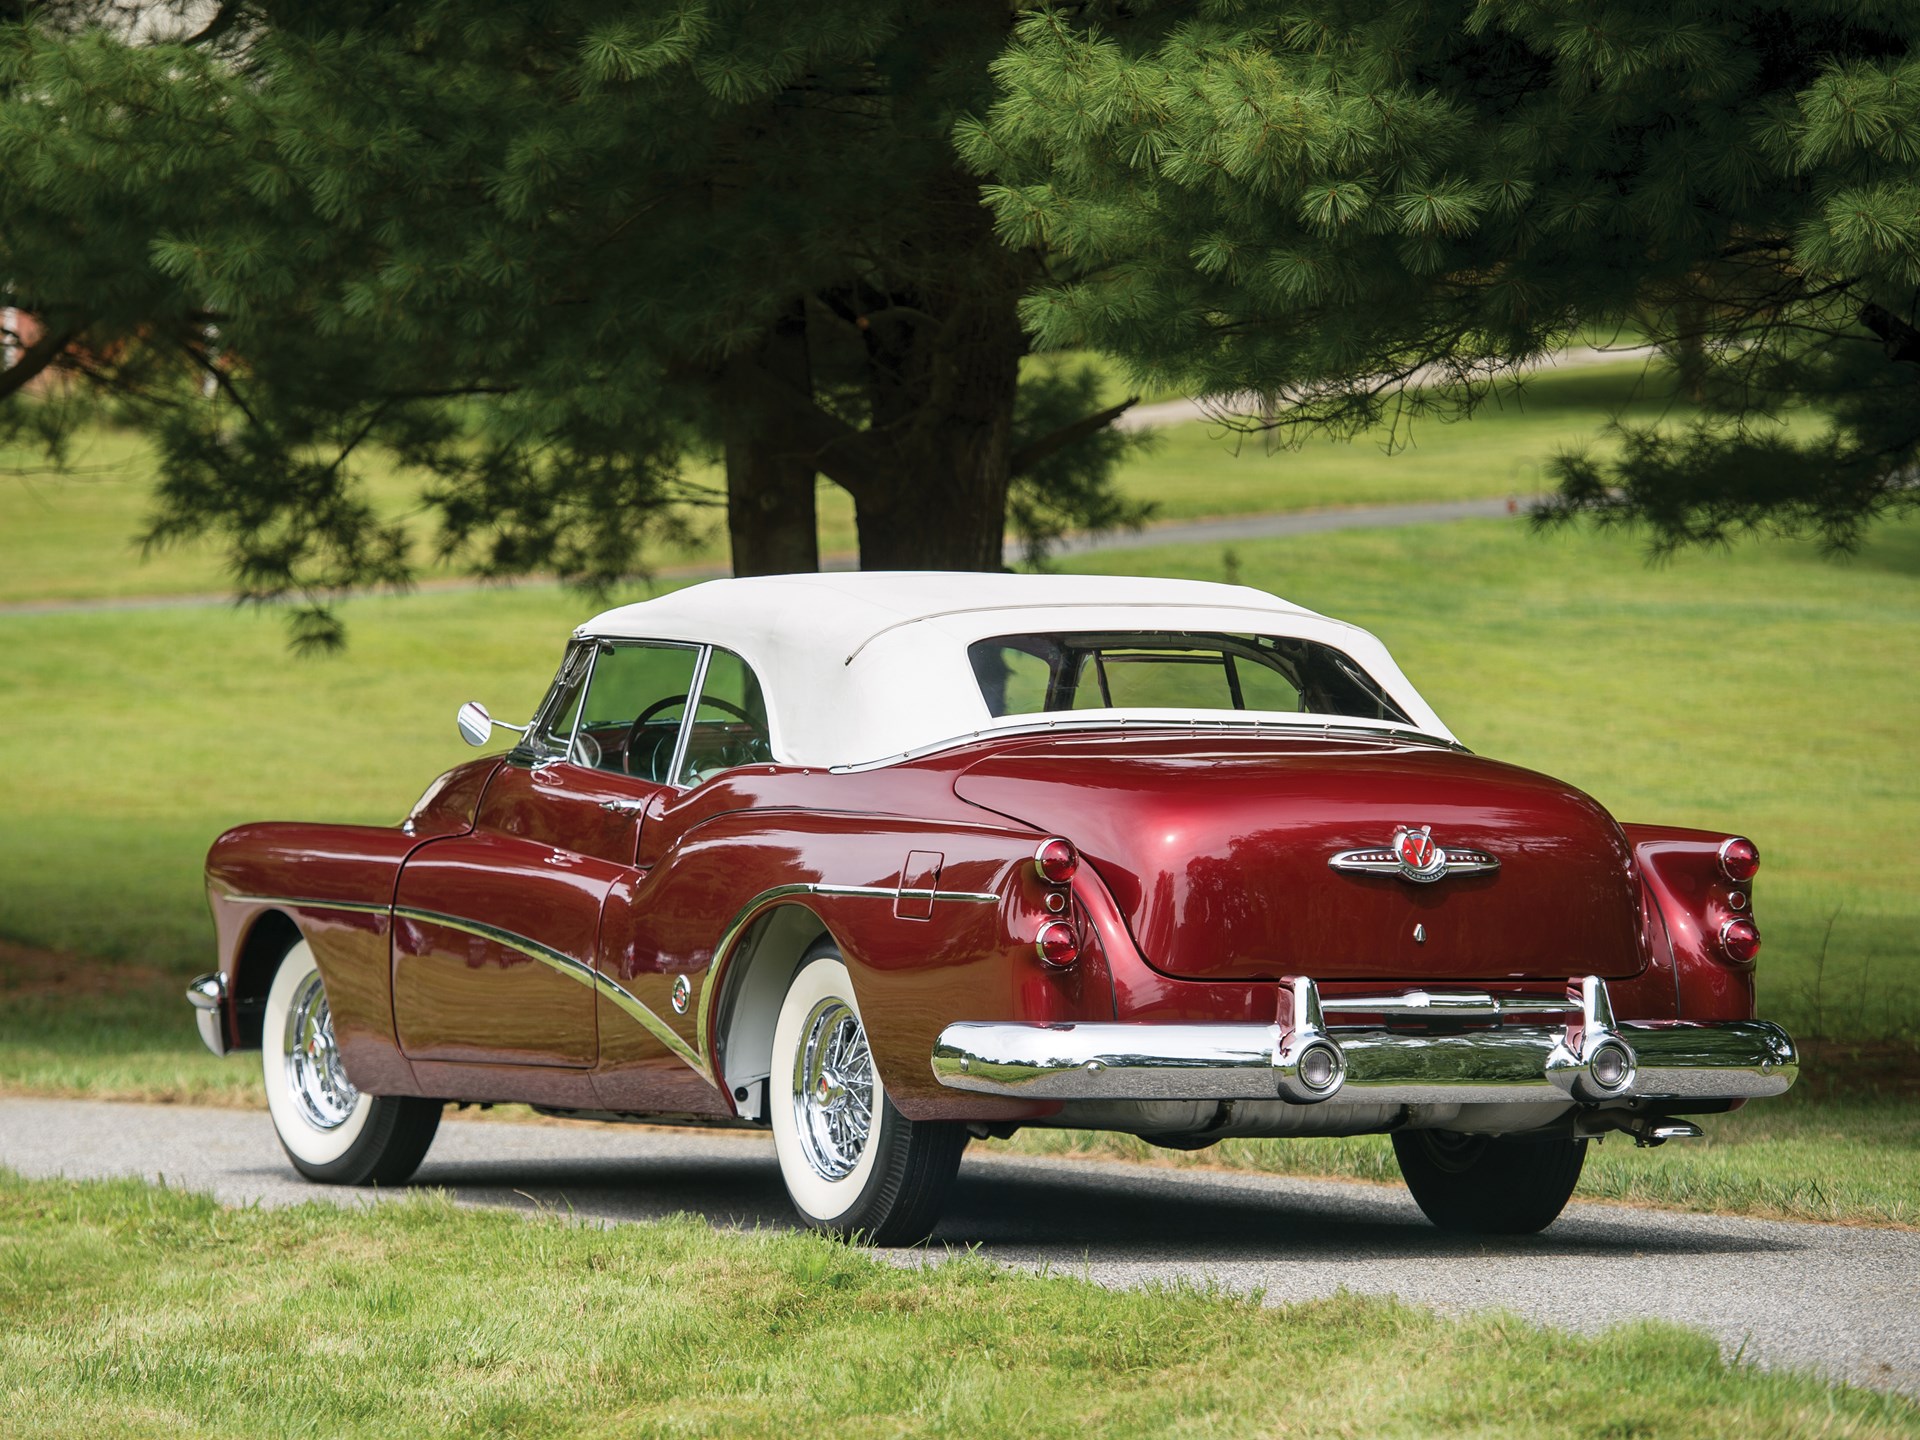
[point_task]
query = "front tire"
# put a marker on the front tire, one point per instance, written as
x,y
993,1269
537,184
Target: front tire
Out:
x,y
1489,1184
854,1166
330,1130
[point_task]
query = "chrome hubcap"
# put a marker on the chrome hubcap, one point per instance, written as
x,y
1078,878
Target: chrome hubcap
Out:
x,y
833,1090
318,1083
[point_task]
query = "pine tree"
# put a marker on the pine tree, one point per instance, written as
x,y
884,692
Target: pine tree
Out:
x,y
546,256
1321,201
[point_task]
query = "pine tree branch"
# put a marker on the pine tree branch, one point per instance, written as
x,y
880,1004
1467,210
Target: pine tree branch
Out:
x,y
36,358
1031,454
225,383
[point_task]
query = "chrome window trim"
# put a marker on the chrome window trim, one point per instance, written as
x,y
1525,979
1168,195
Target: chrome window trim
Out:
x,y
695,687
528,751
697,694
1198,728
595,643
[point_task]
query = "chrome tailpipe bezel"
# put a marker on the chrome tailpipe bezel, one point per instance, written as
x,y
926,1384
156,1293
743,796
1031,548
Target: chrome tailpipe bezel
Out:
x,y
1308,1064
1593,1061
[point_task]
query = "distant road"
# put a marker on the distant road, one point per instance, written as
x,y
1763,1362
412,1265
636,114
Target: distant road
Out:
x,y
1837,1299
1222,409
1140,417
1177,532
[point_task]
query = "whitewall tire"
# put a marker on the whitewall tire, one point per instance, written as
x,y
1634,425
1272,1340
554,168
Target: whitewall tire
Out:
x,y
853,1164
330,1130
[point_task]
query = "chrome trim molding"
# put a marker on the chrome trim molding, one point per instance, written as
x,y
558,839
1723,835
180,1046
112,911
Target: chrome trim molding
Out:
x,y
574,969
311,902
749,912
558,960
1234,1061
1449,1002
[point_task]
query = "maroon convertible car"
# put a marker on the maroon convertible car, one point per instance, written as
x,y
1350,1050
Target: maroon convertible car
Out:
x,y
883,861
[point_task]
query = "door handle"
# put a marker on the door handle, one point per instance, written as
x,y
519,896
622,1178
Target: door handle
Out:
x,y
624,807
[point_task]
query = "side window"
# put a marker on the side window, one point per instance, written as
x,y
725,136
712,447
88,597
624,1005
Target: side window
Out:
x,y
635,700
1262,687
729,724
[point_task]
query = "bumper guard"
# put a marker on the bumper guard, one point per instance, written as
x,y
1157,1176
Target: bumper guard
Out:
x,y
208,996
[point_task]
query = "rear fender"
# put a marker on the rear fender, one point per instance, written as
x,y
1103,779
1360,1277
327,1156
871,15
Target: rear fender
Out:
x,y
936,923
1682,874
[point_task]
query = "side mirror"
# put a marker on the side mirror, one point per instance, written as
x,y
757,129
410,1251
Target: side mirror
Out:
x,y
477,726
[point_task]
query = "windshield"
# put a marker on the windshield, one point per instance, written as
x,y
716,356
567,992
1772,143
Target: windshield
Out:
x,y
1173,670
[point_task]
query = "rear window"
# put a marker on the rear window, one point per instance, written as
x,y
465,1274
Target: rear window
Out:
x,y
1173,670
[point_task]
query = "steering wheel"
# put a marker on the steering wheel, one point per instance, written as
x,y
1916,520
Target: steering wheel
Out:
x,y
645,718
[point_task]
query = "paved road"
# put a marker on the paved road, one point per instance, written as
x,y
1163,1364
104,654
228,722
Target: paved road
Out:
x,y
1839,1299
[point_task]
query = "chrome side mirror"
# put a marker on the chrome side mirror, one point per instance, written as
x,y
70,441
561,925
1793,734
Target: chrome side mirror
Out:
x,y
477,726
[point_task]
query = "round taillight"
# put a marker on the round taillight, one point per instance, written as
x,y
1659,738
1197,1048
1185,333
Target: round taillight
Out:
x,y
1057,943
1740,939
1056,860
1740,860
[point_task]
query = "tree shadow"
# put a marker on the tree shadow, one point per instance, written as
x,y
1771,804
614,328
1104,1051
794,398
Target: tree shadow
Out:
x,y
1022,1211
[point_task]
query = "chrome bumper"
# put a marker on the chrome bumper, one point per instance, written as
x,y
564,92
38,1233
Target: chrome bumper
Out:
x,y
1589,1058
208,996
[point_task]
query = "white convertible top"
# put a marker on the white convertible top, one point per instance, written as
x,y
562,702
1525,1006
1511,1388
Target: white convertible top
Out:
x,y
869,665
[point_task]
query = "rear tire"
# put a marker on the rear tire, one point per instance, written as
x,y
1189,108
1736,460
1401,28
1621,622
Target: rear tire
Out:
x,y
854,1166
1489,1184
330,1130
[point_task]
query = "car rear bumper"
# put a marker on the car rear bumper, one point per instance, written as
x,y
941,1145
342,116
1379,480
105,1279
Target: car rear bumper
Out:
x,y
1590,1057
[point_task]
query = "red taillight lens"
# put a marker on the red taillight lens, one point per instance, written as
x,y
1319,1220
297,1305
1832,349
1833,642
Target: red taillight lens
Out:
x,y
1056,860
1058,944
1740,859
1740,939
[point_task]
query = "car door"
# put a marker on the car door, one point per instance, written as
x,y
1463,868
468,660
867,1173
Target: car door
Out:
x,y
652,1051
496,932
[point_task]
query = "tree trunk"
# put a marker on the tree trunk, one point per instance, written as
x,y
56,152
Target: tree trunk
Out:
x,y
943,376
772,524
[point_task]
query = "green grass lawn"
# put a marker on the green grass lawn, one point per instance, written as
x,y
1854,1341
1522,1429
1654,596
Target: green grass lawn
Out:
x,y
1764,690
127,1310
71,537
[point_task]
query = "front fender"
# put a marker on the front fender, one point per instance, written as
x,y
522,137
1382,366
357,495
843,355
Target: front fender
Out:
x,y
333,886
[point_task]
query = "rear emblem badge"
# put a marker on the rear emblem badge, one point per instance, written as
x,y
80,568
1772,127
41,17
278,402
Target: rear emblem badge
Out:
x,y
1413,855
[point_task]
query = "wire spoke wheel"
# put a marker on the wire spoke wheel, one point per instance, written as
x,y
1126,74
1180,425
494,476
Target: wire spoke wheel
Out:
x,y
852,1163
332,1131
315,1077
833,1090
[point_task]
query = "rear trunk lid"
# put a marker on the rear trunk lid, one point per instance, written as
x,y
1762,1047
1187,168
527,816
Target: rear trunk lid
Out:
x,y
1217,853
